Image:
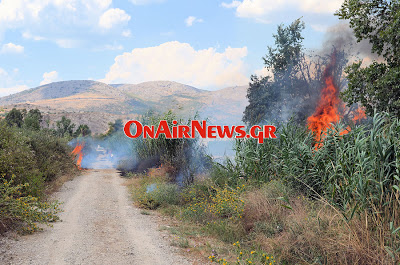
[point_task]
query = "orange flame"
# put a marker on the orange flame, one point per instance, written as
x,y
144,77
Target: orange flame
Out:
x,y
327,111
78,152
359,114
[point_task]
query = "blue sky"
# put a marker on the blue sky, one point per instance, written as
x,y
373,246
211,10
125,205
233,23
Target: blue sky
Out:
x,y
209,44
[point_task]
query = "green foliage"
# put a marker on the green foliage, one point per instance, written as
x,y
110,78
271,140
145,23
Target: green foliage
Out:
x,y
16,156
51,154
33,156
23,212
33,119
14,117
376,21
30,157
245,256
82,131
376,86
291,86
65,127
288,42
215,203
357,171
156,194
114,127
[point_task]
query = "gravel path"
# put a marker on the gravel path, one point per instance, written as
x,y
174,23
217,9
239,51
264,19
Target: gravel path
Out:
x,y
99,226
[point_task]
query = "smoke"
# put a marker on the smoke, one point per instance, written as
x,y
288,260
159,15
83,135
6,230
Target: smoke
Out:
x,y
181,159
341,37
108,152
295,92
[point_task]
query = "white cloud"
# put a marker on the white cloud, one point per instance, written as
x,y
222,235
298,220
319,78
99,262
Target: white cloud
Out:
x,y
11,90
231,5
180,62
15,13
29,36
126,33
262,8
8,83
3,73
12,48
67,43
113,17
49,77
190,20
59,19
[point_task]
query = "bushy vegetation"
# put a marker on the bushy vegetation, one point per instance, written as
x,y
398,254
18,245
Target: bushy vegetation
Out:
x,y
30,159
23,212
182,157
356,173
335,204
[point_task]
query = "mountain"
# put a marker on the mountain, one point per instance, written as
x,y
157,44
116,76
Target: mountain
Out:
x,y
96,103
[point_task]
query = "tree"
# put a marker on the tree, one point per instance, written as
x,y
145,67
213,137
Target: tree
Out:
x,y
65,127
33,119
83,130
290,88
14,117
113,127
377,86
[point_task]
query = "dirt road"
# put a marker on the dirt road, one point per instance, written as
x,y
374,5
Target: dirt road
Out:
x,y
99,226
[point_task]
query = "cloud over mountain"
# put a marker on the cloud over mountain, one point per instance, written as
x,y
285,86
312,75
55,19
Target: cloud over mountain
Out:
x,y
180,62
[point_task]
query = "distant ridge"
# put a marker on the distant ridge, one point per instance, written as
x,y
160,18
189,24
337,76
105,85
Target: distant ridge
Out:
x,y
88,97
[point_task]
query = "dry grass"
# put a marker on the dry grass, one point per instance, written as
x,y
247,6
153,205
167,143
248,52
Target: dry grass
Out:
x,y
312,232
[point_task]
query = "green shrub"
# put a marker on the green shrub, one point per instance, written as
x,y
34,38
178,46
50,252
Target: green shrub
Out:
x,y
151,195
51,153
23,212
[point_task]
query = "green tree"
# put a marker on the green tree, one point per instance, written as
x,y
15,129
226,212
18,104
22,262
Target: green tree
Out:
x,y
33,119
83,130
65,127
289,89
14,117
114,127
376,86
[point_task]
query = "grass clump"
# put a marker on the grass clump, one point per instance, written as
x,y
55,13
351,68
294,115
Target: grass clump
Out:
x,y
153,191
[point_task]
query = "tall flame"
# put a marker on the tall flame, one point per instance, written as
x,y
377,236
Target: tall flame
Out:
x,y
78,152
327,111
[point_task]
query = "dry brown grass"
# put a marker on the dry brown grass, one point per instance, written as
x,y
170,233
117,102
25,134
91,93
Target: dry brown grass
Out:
x,y
312,232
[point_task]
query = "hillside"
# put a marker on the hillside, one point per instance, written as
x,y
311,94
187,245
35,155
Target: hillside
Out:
x,y
96,103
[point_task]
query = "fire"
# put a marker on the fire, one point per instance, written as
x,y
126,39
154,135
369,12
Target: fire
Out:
x,y
359,114
327,111
78,152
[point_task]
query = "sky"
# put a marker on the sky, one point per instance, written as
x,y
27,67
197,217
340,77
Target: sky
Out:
x,y
208,44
